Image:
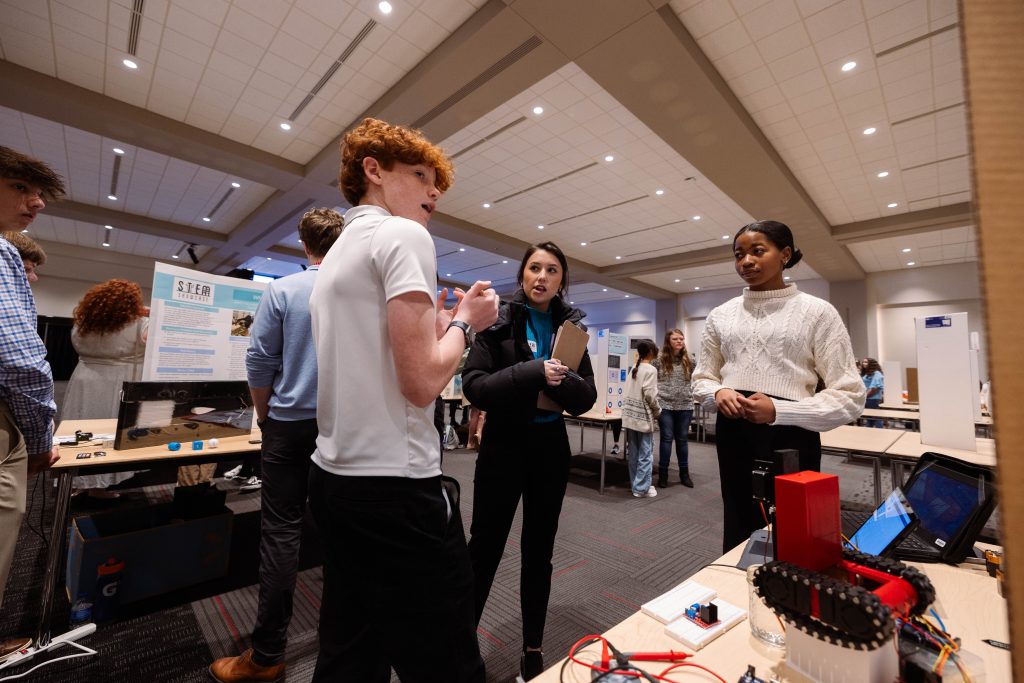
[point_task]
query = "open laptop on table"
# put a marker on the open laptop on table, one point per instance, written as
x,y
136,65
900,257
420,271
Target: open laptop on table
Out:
x,y
949,502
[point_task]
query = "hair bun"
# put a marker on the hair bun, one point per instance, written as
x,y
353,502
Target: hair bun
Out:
x,y
794,259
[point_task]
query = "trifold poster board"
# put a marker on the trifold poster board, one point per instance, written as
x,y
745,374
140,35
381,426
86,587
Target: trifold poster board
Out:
x,y
610,369
944,376
199,325
893,371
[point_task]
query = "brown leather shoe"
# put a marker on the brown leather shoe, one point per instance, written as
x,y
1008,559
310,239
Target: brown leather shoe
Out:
x,y
11,645
242,668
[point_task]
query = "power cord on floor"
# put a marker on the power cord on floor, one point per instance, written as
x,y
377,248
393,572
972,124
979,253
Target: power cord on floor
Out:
x,y
85,652
40,532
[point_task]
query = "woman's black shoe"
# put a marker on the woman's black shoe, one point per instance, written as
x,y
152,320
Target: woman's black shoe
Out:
x,y
531,664
663,481
684,477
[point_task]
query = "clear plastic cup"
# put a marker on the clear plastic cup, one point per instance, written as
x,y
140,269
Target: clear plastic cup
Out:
x,y
764,623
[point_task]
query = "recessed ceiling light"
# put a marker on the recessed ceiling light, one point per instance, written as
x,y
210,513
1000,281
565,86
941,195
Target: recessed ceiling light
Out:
x,y
572,302
206,219
892,205
883,174
583,244
299,240
786,277
604,289
106,244
118,151
725,237
911,263
540,227
236,185
384,7
285,125
109,227
447,274
627,296
677,279
618,258
129,63
487,205
269,259
538,110
24,231
462,249
906,250
609,158
849,66
696,288
112,197
870,130
696,218
174,256
504,260
659,192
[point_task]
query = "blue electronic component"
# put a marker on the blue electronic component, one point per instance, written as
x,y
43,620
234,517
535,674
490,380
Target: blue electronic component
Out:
x,y
174,446
704,616
197,445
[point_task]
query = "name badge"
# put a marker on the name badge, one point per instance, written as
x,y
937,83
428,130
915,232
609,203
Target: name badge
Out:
x,y
532,344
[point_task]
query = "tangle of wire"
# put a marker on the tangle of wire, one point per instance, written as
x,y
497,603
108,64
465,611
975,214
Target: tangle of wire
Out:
x,y
626,669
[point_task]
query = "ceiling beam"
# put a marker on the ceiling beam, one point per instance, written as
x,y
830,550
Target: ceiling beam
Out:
x,y
40,95
87,213
926,220
660,264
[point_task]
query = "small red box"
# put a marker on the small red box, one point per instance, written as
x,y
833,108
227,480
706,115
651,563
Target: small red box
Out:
x,y
807,522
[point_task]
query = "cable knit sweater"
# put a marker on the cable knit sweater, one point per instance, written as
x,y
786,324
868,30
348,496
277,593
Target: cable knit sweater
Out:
x,y
779,342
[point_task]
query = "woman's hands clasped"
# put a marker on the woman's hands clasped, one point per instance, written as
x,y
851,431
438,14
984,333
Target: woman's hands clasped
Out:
x,y
756,408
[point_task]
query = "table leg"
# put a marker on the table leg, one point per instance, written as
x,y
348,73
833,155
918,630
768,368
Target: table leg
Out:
x,y
58,538
604,449
582,427
876,467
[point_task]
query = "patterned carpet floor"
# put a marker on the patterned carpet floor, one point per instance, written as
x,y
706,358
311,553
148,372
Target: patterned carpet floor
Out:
x,y
613,553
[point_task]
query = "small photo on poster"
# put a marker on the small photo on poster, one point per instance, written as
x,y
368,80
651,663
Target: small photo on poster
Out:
x,y
613,361
613,376
241,321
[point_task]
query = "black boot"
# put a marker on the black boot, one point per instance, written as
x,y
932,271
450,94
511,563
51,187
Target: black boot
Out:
x,y
531,664
662,480
684,478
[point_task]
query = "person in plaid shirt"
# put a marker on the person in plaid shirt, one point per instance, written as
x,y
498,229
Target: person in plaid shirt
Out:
x,y
26,385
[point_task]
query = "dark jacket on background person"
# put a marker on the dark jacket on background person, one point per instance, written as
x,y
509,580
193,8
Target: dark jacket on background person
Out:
x,y
502,377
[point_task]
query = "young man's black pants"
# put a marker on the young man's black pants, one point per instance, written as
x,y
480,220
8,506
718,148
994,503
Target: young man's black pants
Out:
x,y
398,585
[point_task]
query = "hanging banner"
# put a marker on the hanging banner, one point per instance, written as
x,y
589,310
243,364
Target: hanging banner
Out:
x,y
199,325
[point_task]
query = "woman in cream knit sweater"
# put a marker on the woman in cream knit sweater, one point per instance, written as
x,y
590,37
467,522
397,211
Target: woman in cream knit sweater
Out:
x,y
761,358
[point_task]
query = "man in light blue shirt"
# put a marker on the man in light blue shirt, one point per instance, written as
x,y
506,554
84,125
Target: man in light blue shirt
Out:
x,y
282,372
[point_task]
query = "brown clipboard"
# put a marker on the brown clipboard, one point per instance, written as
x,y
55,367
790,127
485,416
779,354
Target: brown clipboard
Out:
x,y
569,347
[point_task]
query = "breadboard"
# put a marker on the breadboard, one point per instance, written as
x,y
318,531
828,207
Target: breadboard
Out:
x,y
696,637
670,606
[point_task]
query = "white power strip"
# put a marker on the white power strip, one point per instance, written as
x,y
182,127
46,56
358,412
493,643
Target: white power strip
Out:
x,y
32,650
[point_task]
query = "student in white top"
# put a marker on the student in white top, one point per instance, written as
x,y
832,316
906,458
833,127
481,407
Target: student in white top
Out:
x,y
761,359
640,412
398,586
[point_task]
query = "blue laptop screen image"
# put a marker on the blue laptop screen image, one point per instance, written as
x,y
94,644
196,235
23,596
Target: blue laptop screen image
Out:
x,y
943,503
884,526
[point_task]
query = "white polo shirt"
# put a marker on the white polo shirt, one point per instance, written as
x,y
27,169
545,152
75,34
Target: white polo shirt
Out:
x,y
367,428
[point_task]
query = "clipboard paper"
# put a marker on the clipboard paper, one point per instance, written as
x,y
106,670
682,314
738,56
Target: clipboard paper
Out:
x,y
569,347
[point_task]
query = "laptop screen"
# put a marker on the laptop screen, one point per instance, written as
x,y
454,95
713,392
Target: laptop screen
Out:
x,y
884,526
943,500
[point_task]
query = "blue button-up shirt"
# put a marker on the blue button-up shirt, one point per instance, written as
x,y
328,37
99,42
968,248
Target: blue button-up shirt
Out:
x,y
26,384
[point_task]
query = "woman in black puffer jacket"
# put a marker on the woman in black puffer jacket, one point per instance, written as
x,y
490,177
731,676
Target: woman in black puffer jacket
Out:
x,y
524,451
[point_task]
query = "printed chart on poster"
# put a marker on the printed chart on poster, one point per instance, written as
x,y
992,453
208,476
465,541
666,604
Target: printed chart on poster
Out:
x,y
199,325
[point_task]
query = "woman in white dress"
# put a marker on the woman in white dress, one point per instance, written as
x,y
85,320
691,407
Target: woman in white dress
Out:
x,y
109,334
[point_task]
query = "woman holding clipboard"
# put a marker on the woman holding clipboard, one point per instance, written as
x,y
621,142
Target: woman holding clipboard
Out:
x,y
524,452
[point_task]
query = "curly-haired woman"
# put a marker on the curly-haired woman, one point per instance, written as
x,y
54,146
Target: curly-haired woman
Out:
x,y
109,334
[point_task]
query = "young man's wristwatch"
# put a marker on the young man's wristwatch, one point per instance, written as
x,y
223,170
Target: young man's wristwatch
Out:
x,y
467,331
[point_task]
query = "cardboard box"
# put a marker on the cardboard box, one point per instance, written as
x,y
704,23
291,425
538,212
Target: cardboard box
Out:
x,y
161,552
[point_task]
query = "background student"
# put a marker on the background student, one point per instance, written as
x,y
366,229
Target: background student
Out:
x,y
675,396
761,356
640,412
524,452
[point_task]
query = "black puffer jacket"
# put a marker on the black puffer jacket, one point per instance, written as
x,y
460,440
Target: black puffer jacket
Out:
x,y
502,377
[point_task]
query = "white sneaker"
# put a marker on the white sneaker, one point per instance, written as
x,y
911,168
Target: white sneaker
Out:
x,y
615,449
251,484
652,492
233,474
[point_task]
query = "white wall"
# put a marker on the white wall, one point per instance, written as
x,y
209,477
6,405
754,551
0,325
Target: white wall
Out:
x,y
897,297
631,317
71,270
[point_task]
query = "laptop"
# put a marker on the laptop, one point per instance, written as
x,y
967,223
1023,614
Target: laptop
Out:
x,y
950,502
